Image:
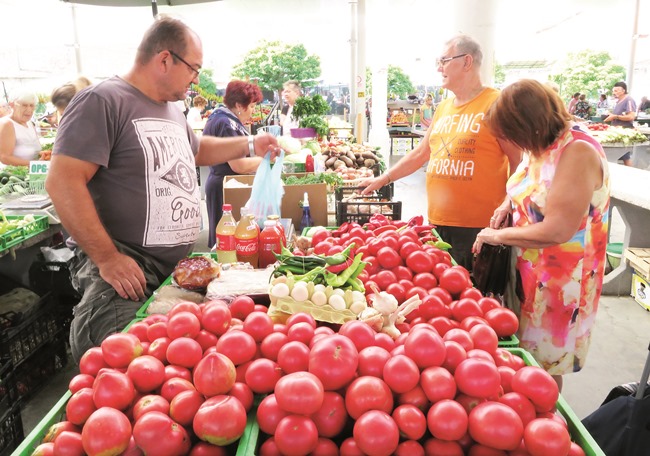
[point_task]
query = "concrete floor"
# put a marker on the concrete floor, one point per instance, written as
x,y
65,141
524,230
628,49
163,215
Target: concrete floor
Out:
x,y
618,351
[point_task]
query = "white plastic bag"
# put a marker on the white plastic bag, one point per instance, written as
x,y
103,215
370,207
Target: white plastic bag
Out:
x,y
267,191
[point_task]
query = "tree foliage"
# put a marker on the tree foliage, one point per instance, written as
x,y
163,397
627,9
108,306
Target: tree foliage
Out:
x,y
272,63
207,87
588,72
399,83
499,74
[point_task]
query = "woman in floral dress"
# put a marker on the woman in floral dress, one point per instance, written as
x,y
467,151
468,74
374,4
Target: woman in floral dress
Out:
x,y
559,197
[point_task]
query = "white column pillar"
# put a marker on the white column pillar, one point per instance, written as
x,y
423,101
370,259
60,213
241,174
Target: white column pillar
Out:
x,y
358,93
476,18
353,54
378,135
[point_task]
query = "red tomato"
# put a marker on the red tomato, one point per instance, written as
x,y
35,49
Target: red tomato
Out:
x,y
393,243
172,371
358,332
385,341
301,317
204,449
442,324
184,406
259,325
408,233
139,329
269,414
216,317
150,403
543,437
372,265
293,357
425,280
320,235
388,258
184,351
262,375
113,389
80,381
415,397
506,373
185,306
472,293
407,248
409,448
576,450
443,447
372,360
495,425
272,344
334,360
461,336
484,338
322,247
368,393
402,273
68,443
173,386
57,428
107,431
332,416
486,304
477,378
243,392
401,374
432,306
158,348
383,279
437,384
120,349
296,435
439,268
465,307
220,420
443,294
241,306
375,244
503,321
419,291
299,393
538,386
300,331
447,420
183,324
426,348
455,354
469,322
206,340
214,375
454,281
239,346
520,404
420,261
410,420
147,373
376,433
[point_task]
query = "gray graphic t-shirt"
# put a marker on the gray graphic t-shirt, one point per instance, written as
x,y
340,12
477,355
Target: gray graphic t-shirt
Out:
x,y
145,190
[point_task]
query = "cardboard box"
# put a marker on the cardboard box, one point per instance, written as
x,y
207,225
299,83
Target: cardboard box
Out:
x,y
290,207
641,290
639,259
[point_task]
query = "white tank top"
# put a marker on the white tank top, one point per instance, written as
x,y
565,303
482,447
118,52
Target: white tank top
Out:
x,y
27,143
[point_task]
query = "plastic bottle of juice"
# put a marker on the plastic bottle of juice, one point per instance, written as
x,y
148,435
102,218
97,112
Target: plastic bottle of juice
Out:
x,y
225,232
280,227
270,241
247,239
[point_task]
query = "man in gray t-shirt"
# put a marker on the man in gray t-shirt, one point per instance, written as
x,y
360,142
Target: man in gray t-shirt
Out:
x,y
123,179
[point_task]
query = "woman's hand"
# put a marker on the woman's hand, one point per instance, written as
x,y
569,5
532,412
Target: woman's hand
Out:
x,y
374,183
499,216
485,236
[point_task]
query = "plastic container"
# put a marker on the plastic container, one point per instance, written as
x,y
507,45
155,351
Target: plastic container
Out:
x,y
270,243
18,235
247,239
386,192
306,219
8,392
11,429
280,227
225,232
614,254
361,211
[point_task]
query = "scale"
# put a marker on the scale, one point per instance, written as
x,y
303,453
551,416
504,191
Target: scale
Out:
x,y
32,204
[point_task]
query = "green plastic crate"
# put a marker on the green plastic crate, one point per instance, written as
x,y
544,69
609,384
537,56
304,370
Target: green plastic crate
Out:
x,y
509,342
579,433
18,235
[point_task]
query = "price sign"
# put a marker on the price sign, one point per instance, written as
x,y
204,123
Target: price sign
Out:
x,y
39,167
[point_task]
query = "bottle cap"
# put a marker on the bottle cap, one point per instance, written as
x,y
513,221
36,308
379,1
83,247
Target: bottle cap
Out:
x,y
226,207
269,223
305,200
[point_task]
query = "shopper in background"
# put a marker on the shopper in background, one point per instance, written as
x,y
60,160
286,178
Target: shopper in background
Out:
x,y
468,166
559,223
426,111
19,141
122,179
291,90
571,107
240,101
61,96
644,104
602,103
623,114
194,117
582,108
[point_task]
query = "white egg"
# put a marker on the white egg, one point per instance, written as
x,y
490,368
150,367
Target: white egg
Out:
x,y
319,287
338,291
280,290
319,298
300,292
337,302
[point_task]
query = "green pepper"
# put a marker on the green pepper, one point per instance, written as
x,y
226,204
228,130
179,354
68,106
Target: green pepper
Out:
x,y
339,280
340,257
356,284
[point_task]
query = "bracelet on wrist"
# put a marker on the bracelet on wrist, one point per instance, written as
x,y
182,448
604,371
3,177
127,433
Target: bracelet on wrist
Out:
x,y
251,145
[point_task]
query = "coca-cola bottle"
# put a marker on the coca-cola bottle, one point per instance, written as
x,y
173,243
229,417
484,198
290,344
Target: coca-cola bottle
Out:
x,y
247,239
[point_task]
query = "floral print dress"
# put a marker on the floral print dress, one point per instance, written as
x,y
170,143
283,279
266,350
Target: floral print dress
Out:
x,y
562,283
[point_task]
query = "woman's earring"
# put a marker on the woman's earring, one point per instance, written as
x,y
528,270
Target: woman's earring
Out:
x,y
238,113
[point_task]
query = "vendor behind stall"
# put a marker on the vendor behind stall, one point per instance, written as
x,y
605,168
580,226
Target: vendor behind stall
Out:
x,y
18,136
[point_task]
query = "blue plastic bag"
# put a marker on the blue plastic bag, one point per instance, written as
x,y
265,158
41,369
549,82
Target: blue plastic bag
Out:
x,y
267,192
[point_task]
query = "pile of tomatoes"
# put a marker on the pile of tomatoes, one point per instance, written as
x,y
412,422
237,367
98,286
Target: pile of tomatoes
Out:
x,y
183,383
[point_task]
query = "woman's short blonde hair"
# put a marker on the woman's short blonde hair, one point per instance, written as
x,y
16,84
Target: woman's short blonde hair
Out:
x,y
529,114
200,101
24,96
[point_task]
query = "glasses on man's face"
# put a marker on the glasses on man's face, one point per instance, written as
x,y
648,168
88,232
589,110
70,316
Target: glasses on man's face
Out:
x,y
442,61
194,70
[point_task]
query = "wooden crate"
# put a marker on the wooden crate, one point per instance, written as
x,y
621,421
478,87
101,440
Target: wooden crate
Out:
x,y
639,259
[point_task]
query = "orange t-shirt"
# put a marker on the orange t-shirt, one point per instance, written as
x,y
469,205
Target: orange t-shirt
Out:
x,y
467,170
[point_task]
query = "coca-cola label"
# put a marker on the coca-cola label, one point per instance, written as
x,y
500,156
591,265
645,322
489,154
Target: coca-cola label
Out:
x,y
225,242
246,247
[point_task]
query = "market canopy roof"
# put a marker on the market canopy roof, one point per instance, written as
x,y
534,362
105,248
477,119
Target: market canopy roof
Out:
x,y
153,3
